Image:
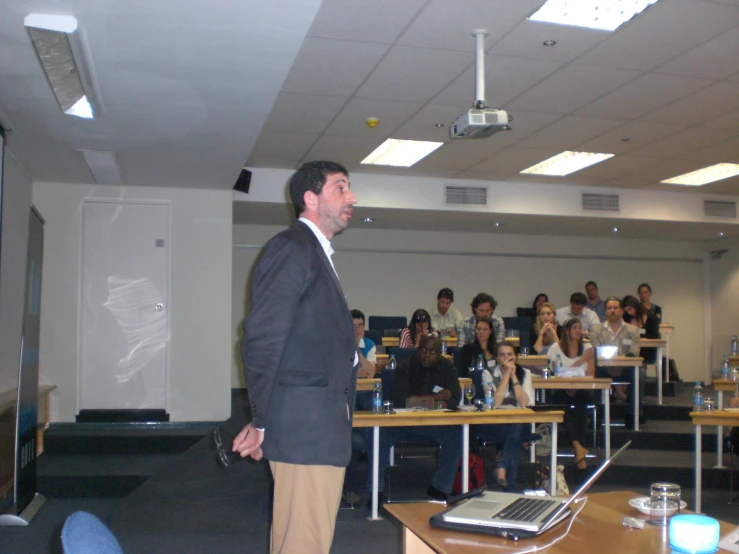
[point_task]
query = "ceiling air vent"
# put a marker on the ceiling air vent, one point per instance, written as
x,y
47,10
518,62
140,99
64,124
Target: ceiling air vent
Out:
x,y
714,208
467,195
600,202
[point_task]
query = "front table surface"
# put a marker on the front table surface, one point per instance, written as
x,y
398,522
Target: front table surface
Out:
x,y
597,529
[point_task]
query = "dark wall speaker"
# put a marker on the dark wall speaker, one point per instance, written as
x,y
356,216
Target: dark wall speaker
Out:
x,y
243,182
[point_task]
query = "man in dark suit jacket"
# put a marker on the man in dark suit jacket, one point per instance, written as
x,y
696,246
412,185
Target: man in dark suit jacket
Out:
x,y
300,364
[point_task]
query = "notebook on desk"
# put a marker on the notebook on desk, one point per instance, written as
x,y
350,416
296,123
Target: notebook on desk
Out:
x,y
515,515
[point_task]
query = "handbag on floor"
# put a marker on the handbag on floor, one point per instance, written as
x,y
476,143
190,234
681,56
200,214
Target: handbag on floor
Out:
x,y
476,474
543,476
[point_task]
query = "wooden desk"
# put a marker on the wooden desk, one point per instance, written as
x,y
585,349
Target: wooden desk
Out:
x,y
440,417
721,386
715,417
658,344
449,341
383,359
597,528
635,363
369,384
602,384
533,362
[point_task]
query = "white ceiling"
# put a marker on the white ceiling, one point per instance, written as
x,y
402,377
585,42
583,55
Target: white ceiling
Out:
x,y
187,86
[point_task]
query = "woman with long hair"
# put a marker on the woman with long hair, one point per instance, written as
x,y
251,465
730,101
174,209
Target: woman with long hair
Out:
x,y
484,344
545,331
647,322
512,387
645,296
419,325
578,359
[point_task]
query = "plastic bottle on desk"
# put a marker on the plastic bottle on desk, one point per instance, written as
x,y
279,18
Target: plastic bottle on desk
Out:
x,y
443,345
698,397
487,385
480,363
558,367
734,346
392,363
377,399
725,369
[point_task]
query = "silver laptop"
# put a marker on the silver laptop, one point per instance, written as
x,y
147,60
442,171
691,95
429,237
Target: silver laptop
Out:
x,y
606,352
520,515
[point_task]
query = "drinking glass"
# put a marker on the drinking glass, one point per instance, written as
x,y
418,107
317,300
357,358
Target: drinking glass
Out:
x,y
664,498
469,392
524,351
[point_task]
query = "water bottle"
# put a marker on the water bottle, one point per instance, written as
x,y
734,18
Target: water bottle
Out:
x,y
487,385
443,346
392,364
558,366
725,369
734,346
698,397
480,363
377,399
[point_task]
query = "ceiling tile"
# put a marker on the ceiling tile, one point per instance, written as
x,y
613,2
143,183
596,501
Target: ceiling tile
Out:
x,y
449,23
709,60
638,134
643,95
506,77
724,151
460,154
280,149
704,105
663,31
306,113
660,170
413,74
568,132
364,20
683,144
353,118
336,67
422,126
728,121
527,39
572,87
512,160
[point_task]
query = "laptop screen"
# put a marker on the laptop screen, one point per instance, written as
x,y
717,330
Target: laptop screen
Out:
x,y
606,352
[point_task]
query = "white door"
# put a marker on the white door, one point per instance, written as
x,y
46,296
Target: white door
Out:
x,y
124,334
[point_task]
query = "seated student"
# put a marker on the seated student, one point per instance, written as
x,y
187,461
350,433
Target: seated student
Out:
x,y
576,358
512,387
444,316
647,322
424,380
482,305
588,318
367,347
484,344
616,332
419,325
595,302
534,309
645,295
546,331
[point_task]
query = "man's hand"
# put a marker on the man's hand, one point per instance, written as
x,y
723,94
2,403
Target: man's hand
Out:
x,y
444,395
248,442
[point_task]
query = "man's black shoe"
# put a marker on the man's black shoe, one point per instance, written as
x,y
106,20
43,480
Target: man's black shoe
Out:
x,y
436,495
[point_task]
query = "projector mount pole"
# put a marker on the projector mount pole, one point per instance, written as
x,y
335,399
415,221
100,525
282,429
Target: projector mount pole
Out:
x,y
480,35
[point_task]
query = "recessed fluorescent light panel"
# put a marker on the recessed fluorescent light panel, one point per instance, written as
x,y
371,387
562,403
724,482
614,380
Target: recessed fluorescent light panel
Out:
x,y
103,166
606,15
52,37
401,153
567,162
705,175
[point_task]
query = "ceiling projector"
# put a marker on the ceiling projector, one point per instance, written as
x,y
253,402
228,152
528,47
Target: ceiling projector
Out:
x,y
479,123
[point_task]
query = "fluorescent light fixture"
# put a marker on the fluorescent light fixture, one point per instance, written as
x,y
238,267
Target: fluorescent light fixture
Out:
x,y
59,49
103,166
567,162
606,15
705,175
401,153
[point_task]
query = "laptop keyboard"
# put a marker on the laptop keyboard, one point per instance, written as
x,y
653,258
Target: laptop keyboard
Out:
x,y
526,509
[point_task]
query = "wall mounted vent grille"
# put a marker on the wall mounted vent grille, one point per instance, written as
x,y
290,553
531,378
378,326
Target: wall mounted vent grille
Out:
x,y
600,202
714,208
477,196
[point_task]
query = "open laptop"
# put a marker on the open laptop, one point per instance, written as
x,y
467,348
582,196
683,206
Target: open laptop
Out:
x,y
516,515
606,352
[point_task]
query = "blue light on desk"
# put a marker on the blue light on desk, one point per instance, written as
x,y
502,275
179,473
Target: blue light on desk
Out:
x,y
694,534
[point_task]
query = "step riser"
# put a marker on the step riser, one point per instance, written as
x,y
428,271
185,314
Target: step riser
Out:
x,y
98,445
85,486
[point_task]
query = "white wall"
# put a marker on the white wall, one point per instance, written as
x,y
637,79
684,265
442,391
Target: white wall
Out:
x,y
16,209
200,351
394,272
724,283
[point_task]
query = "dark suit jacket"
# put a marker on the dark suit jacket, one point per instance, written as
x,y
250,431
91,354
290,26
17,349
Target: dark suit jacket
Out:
x,y
298,351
